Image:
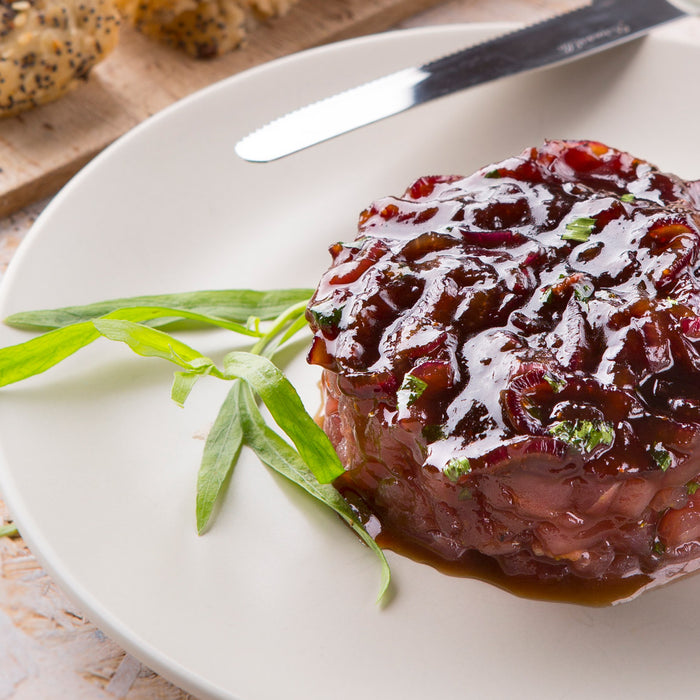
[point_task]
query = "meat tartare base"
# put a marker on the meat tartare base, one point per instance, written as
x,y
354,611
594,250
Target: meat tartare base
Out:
x,y
512,367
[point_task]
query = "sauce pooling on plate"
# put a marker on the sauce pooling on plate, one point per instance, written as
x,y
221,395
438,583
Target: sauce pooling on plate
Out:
x,y
512,370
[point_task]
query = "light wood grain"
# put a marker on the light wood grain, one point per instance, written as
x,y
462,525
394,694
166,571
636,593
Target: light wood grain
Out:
x,y
48,650
41,149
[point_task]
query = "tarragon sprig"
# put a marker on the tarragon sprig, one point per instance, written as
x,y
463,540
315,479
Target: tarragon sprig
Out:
x,y
309,461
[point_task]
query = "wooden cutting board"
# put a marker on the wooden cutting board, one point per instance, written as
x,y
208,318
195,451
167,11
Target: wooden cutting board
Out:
x,y
40,150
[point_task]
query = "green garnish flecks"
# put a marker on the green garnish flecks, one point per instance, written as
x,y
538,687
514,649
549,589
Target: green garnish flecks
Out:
x,y
583,435
493,174
411,390
557,383
662,457
547,295
691,487
325,315
628,197
432,432
579,230
457,468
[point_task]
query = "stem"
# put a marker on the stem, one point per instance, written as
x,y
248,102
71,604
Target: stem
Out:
x,y
287,316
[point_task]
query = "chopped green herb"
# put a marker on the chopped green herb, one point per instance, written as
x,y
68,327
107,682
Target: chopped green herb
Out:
x,y
629,197
659,547
432,433
326,315
671,302
411,390
533,409
547,296
557,383
662,457
579,230
691,487
456,468
584,435
493,174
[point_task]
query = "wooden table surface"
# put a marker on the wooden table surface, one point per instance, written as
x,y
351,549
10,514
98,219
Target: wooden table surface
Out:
x,y
48,649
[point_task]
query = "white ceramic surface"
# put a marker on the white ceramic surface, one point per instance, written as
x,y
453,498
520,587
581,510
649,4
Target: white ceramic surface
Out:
x,y
277,601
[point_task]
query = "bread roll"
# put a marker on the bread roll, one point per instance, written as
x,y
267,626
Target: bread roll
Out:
x,y
202,28
47,47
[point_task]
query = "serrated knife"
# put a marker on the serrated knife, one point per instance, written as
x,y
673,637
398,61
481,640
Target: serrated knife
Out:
x,y
566,37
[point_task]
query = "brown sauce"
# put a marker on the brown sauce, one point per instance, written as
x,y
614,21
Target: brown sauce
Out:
x,y
590,592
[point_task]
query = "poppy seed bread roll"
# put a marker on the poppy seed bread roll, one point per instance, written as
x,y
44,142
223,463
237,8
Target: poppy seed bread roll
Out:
x,y
202,28
46,47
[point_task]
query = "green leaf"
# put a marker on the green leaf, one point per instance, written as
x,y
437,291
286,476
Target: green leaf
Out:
x,y
161,313
283,402
183,383
326,315
278,455
662,457
34,356
9,530
628,197
221,452
150,342
410,391
432,433
584,435
18,362
457,468
579,230
231,304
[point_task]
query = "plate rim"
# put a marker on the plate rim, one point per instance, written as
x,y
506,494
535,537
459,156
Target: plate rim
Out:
x,y
96,612
89,605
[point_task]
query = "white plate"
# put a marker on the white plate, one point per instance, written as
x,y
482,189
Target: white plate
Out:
x,y
99,466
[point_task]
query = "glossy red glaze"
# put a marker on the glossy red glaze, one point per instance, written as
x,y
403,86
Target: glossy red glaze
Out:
x,y
513,365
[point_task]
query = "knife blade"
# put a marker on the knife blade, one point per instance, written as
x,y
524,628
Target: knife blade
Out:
x,y
565,37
